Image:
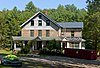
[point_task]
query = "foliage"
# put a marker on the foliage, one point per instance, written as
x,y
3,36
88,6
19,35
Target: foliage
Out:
x,y
91,30
53,45
52,48
46,51
93,6
27,48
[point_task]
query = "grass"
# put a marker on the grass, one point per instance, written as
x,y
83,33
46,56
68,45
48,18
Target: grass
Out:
x,y
5,52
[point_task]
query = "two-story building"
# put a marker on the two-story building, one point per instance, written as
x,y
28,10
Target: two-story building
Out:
x,y
41,29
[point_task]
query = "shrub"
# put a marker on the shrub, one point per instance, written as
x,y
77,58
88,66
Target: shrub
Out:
x,y
44,51
26,49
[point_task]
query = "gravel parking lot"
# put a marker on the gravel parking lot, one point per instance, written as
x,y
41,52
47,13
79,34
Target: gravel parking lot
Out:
x,y
61,62
36,61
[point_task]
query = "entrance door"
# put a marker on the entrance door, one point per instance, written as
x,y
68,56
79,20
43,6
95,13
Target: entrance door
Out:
x,y
64,44
39,45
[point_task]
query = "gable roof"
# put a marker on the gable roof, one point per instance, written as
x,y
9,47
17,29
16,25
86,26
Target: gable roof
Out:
x,y
70,24
36,15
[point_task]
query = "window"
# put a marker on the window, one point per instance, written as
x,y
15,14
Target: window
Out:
x,y
62,31
32,22
40,16
39,22
47,22
47,33
74,45
31,32
39,32
72,33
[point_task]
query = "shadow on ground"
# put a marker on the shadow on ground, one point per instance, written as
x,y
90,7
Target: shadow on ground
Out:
x,y
72,60
38,64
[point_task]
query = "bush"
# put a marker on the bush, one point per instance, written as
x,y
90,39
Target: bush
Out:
x,y
44,51
26,49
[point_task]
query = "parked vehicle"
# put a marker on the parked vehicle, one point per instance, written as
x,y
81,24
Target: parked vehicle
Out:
x,y
12,60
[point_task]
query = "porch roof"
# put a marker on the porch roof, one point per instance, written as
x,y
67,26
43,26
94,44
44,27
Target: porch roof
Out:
x,y
74,39
35,38
22,38
71,39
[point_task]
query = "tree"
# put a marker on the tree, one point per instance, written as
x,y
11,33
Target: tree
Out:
x,y
30,7
92,30
53,44
92,25
3,30
93,6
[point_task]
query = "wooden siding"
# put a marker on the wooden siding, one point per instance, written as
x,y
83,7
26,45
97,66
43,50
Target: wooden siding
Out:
x,y
25,33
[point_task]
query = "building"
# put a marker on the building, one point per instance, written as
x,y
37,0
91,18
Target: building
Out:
x,y
41,29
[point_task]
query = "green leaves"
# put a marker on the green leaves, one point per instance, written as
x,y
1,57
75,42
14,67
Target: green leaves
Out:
x,y
91,31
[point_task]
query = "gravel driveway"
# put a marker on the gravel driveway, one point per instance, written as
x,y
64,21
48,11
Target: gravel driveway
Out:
x,y
60,62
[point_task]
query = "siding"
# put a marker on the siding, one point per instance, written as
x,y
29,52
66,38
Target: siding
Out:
x,y
54,33
53,28
25,33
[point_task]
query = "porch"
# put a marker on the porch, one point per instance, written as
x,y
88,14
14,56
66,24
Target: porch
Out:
x,y
41,42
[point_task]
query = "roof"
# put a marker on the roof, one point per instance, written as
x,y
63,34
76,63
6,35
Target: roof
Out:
x,y
70,24
74,39
36,15
20,38
35,38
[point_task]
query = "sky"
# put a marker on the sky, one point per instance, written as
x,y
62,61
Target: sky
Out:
x,y
20,4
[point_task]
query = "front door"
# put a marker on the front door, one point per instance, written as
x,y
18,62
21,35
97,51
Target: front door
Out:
x,y
39,45
64,44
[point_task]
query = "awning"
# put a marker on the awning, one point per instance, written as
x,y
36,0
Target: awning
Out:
x,y
35,38
73,39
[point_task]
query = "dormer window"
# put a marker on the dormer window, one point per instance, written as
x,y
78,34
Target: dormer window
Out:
x,y
39,22
72,33
32,22
47,22
40,16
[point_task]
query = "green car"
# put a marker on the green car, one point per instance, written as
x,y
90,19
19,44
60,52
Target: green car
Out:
x,y
12,60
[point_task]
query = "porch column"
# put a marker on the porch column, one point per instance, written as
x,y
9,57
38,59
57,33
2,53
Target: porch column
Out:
x,y
67,44
14,45
33,45
23,43
80,45
61,44
59,31
42,44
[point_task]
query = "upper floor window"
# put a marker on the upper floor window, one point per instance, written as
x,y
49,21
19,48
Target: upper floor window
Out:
x,y
47,22
72,33
40,16
62,31
47,33
31,32
32,22
39,32
39,22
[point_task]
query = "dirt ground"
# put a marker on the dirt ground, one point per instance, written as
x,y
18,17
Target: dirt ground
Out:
x,y
59,62
36,61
